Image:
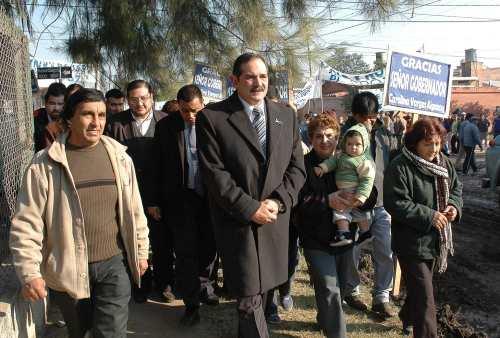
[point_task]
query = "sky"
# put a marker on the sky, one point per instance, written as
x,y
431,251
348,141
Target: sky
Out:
x,y
447,40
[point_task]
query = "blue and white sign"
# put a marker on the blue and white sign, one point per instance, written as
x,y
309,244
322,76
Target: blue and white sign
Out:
x,y
328,73
282,85
209,82
417,83
229,87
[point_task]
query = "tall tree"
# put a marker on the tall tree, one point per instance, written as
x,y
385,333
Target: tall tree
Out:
x,y
351,63
159,40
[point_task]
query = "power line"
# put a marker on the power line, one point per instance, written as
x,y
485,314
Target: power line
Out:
x,y
363,23
439,5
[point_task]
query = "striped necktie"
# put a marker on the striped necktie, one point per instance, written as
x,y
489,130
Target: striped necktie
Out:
x,y
259,123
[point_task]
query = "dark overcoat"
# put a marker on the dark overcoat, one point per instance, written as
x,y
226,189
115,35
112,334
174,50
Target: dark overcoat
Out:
x,y
238,176
140,149
170,166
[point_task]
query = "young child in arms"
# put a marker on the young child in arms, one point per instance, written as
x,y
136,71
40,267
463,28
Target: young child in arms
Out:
x,y
355,173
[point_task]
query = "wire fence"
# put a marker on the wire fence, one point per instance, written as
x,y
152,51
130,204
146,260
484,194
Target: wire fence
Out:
x,y
16,122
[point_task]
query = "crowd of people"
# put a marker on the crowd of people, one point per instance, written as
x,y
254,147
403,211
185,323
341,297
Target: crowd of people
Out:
x,y
119,204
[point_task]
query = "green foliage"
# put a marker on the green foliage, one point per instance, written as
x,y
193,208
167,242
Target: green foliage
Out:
x,y
160,40
351,63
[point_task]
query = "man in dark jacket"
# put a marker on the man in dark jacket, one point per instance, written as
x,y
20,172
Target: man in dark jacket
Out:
x,y
252,163
181,195
469,138
135,129
54,104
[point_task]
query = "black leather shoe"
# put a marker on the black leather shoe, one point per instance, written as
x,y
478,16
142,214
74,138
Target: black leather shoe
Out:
x,y
140,297
191,317
273,319
356,303
209,299
168,295
383,310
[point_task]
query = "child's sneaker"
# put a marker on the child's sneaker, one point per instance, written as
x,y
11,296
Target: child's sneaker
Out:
x,y
364,237
341,238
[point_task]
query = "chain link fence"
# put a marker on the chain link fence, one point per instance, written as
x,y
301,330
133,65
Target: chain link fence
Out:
x,y
16,122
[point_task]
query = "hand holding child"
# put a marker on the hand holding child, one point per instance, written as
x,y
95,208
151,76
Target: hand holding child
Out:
x,y
318,171
356,202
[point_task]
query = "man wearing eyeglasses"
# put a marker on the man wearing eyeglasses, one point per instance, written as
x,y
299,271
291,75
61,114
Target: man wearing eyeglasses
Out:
x,y
135,129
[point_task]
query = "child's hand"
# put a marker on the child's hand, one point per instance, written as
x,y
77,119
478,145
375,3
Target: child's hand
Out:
x,y
356,203
318,171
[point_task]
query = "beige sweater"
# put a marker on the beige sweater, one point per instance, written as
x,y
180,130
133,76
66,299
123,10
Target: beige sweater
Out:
x,y
47,237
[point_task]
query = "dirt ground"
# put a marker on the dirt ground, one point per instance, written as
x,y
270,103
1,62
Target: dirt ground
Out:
x,y
471,285
468,294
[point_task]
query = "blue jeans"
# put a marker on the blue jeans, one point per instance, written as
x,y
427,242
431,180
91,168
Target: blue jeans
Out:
x,y
381,255
331,275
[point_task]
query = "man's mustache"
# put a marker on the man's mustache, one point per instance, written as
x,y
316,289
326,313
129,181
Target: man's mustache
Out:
x,y
258,89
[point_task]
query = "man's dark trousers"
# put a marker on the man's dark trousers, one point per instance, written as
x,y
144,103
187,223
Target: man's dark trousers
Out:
x,y
195,250
251,318
105,313
470,160
162,259
162,244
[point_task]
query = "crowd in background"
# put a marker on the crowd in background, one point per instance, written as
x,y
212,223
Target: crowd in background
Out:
x,y
193,178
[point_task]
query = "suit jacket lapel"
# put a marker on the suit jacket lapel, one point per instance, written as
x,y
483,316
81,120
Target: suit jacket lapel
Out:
x,y
239,120
274,126
181,144
128,131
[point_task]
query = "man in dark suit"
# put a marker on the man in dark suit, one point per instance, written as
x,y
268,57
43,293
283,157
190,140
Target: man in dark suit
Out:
x,y
183,202
252,164
135,129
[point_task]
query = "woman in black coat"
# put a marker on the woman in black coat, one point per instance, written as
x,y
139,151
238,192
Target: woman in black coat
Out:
x,y
330,267
423,195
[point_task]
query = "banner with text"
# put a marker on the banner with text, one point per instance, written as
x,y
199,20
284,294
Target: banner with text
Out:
x,y
282,85
209,82
327,73
311,90
417,83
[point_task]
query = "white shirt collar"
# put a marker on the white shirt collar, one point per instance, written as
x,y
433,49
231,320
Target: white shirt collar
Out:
x,y
249,108
149,117
143,125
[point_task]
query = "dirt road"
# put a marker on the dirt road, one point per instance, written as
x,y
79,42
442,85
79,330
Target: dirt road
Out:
x,y
471,285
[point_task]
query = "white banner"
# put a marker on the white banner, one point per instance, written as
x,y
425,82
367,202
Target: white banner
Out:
x,y
311,90
327,73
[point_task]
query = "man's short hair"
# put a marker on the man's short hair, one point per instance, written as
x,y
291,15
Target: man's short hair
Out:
x,y
139,84
170,107
114,93
243,59
71,89
55,89
82,95
188,93
364,104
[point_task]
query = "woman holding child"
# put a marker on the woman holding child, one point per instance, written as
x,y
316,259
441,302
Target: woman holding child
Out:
x,y
423,195
330,266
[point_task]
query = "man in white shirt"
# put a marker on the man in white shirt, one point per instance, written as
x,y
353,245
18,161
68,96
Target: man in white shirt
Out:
x,y
135,128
